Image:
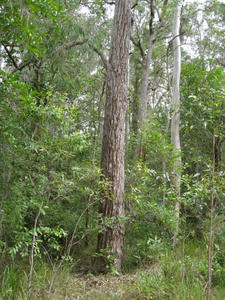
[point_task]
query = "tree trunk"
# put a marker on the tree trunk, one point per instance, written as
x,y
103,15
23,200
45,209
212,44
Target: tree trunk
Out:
x,y
135,102
175,122
164,161
111,237
212,215
142,114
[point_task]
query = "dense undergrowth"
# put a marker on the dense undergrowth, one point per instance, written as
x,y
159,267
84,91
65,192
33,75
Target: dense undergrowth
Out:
x,y
54,174
179,273
54,178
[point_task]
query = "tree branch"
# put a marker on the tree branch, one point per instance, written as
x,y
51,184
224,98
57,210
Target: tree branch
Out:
x,y
101,55
173,38
75,43
161,22
17,67
72,44
134,5
139,46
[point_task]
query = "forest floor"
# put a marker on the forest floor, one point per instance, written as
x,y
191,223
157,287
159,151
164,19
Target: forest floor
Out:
x,y
126,286
171,274
97,287
145,283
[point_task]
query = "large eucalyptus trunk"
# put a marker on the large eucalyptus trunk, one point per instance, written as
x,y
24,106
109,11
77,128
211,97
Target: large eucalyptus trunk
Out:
x,y
175,122
111,237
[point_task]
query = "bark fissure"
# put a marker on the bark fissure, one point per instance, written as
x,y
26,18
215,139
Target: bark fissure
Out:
x,y
111,210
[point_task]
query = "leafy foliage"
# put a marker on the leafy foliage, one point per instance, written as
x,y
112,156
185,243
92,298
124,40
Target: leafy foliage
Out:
x,y
52,96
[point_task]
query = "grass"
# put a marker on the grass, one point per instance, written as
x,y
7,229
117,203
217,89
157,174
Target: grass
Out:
x,y
173,276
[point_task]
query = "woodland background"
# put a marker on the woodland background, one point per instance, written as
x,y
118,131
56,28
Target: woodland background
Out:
x,y
53,83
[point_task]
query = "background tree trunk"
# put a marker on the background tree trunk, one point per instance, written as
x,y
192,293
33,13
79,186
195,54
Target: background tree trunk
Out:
x,y
111,238
135,101
147,59
175,122
142,114
212,216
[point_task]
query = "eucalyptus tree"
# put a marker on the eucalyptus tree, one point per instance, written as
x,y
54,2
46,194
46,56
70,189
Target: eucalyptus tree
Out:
x,y
111,236
144,40
175,122
147,58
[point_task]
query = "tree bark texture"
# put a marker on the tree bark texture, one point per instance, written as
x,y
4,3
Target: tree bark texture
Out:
x,y
175,122
111,237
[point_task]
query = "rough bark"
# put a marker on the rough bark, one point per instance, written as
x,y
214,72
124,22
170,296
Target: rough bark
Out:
x,y
175,122
111,237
